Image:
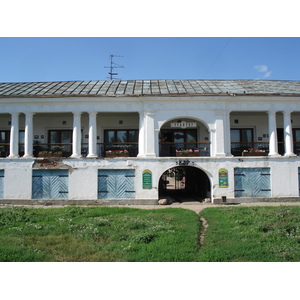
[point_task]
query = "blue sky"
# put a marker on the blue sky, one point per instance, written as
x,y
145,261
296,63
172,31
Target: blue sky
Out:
x,y
25,59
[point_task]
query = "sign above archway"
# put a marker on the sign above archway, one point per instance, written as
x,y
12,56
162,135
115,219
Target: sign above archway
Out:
x,y
183,124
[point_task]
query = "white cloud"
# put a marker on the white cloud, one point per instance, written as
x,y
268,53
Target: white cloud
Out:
x,y
267,74
263,69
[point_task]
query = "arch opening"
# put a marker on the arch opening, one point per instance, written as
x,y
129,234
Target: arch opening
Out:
x,y
184,134
184,184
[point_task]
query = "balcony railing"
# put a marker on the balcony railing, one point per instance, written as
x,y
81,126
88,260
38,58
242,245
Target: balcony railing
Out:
x,y
65,149
238,148
169,149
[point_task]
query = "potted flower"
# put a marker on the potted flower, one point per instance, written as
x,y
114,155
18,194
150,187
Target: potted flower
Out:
x,y
50,154
116,153
252,152
187,152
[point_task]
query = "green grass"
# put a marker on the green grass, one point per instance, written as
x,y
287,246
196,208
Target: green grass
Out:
x,y
111,234
94,234
252,234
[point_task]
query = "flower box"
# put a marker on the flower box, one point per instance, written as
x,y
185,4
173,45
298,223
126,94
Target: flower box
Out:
x,y
117,154
49,154
254,153
187,154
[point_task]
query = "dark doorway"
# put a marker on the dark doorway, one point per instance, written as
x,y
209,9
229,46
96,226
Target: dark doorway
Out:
x,y
184,184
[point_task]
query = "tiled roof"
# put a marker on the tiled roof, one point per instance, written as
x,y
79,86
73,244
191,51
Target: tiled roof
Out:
x,y
149,88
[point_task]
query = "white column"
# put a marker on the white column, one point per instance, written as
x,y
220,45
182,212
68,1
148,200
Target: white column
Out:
x,y
273,144
227,135
92,135
149,132
288,134
220,135
141,134
76,147
28,139
14,136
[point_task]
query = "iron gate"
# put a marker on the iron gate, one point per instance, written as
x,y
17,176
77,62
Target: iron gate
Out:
x,y
114,184
252,182
1,183
50,184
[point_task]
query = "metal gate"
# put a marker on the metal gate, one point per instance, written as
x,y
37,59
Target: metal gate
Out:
x,y
1,183
252,182
114,184
50,184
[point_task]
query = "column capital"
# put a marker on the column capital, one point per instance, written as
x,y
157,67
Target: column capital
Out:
x,y
92,113
271,112
287,112
150,112
29,113
77,113
15,114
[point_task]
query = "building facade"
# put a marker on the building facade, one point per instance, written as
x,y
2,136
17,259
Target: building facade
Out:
x,y
120,141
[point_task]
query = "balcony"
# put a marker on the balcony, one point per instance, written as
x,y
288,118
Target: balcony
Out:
x,y
169,149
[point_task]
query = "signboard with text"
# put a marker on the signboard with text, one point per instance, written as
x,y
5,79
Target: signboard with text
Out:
x,y
223,178
147,179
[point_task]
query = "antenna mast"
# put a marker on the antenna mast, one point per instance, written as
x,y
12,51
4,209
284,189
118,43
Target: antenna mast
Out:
x,y
113,66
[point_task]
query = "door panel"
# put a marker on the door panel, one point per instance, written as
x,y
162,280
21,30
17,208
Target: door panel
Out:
x,y
50,184
252,182
115,184
1,183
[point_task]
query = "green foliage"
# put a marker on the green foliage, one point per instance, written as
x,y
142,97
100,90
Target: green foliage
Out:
x,y
98,234
267,234
166,235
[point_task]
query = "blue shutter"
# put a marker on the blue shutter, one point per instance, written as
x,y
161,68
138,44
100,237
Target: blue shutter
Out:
x,y
252,182
50,184
1,183
115,184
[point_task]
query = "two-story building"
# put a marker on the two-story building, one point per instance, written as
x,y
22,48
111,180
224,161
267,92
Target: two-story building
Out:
x,y
122,141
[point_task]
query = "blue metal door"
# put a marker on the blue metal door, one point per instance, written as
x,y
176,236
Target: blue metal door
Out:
x,y
114,184
50,184
299,180
252,182
1,183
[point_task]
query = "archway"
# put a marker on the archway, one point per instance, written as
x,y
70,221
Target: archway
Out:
x,y
184,184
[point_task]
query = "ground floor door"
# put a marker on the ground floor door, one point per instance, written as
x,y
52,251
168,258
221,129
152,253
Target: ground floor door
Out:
x,y
116,184
1,183
50,184
252,182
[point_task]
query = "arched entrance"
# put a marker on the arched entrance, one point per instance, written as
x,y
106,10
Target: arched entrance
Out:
x,y
183,134
184,184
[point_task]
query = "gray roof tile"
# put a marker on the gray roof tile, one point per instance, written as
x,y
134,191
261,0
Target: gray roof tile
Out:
x,y
149,87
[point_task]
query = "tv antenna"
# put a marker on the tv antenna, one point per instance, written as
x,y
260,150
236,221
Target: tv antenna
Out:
x,y
113,66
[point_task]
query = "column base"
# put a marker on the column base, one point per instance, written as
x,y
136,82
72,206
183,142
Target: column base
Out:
x,y
274,154
290,155
28,156
92,156
75,156
150,155
13,156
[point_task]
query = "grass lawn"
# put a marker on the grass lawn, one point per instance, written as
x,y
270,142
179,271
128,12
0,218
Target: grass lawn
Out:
x,y
110,234
94,234
252,234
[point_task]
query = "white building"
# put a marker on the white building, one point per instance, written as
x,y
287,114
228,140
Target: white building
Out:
x,y
56,139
